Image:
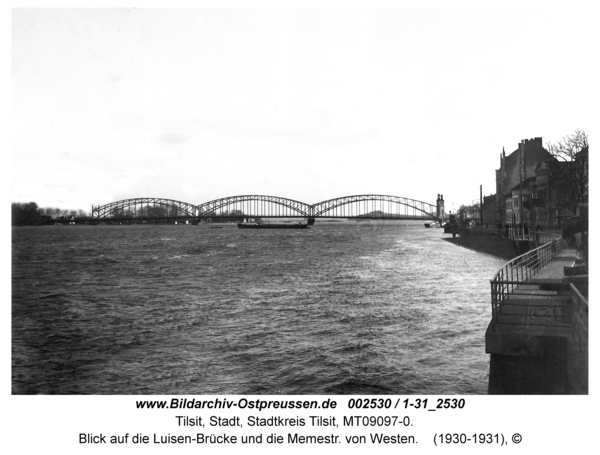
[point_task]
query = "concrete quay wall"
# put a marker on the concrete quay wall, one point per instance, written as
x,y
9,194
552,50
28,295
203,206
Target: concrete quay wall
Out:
x,y
531,344
538,339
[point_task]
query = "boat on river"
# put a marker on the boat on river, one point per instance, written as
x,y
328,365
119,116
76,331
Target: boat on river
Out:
x,y
272,226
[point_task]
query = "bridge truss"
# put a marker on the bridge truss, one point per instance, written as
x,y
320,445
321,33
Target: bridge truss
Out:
x,y
145,207
256,206
374,206
359,206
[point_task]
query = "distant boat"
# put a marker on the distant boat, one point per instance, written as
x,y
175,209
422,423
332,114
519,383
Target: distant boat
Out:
x,y
272,226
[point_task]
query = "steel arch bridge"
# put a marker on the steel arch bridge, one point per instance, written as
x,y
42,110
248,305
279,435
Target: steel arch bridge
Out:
x,y
145,207
374,206
359,206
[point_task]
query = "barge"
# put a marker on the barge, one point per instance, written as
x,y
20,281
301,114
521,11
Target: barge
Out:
x,y
272,226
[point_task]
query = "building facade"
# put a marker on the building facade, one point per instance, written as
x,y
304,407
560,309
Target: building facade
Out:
x,y
523,186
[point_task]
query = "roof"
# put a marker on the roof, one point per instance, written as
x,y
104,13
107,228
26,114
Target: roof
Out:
x,y
534,154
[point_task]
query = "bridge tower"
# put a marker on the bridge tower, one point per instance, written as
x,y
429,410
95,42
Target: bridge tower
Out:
x,y
440,212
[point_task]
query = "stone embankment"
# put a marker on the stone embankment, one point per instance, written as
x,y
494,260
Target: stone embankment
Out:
x,y
498,246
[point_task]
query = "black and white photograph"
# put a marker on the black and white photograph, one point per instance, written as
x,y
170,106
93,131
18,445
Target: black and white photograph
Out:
x,y
345,203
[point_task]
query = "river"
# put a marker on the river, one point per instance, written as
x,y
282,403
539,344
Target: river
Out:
x,y
342,308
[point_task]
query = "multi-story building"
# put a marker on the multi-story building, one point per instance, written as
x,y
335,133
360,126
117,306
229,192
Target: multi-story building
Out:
x,y
517,187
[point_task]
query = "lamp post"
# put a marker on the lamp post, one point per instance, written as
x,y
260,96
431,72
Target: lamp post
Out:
x,y
481,205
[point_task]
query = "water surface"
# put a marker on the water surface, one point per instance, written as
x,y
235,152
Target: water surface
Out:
x,y
366,308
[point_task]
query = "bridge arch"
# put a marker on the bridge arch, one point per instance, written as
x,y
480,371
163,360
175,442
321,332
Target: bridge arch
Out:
x,y
144,207
374,205
255,205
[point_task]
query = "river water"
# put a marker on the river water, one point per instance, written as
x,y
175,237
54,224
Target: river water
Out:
x,y
346,308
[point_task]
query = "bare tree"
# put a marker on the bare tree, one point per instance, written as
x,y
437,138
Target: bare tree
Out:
x,y
572,170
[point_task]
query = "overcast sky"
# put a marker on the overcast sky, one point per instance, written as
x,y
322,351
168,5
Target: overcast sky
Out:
x,y
308,104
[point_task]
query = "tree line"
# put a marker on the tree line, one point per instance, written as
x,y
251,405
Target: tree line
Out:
x,y
29,214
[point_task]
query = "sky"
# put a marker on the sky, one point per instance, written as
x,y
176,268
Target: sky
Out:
x,y
307,104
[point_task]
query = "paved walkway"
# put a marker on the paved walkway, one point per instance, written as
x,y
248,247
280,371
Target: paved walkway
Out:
x,y
555,269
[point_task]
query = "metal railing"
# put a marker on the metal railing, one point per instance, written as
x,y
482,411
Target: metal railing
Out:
x,y
579,318
523,268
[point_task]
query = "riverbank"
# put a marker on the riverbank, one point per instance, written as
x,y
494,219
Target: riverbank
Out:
x,y
493,245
